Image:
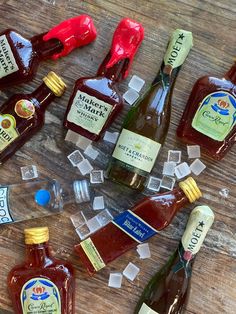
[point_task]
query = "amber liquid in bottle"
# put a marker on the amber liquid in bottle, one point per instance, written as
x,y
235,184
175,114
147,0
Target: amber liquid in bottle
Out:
x,y
168,291
209,119
42,283
146,126
157,212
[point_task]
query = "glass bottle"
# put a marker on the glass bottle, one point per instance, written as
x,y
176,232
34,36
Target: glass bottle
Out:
x,y
134,226
23,114
40,198
167,292
96,101
146,126
20,57
209,119
42,284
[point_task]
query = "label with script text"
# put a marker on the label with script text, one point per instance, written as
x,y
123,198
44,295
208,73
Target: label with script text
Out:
x,y
5,215
8,63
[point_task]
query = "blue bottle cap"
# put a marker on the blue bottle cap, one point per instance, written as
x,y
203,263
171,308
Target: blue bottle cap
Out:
x,y
42,197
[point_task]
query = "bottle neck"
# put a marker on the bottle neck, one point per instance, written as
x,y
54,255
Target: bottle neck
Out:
x,y
46,49
38,254
231,74
44,96
114,73
167,76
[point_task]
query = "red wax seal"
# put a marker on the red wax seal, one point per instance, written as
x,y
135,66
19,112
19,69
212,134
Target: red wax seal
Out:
x,y
126,41
72,33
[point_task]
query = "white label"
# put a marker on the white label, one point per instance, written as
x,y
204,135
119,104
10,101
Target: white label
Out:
x,y
7,61
89,112
5,216
146,310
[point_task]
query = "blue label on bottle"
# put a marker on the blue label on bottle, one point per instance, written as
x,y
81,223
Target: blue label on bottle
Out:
x,y
134,226
5,215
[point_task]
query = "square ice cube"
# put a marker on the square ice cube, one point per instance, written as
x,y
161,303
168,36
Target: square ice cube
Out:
x,y
182,170
144,250
91,152
167,183
174,155
85,167
131,271
131,96
194,151
197,166
83,142
136,83
29,172
93,224
104,217
111,137
154,184
75,158
169,168
83,231
96,176
115,280
78,219
98,203
71,137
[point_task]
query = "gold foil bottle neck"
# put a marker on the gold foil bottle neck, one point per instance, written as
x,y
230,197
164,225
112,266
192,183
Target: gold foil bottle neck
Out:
x,y
55,83
191,190
36,235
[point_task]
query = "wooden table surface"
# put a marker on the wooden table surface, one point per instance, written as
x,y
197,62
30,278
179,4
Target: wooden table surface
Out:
x,y
213,26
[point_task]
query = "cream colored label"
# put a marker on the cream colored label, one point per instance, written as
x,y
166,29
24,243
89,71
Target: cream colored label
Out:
x,y
8,63
178,48
146,310
199,223
92,253
8,132
136,150
89,112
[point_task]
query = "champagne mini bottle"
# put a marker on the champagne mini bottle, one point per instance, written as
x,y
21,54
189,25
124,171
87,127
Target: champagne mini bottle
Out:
x,y
96,101
23,114
168,290
146,126
144,220
20,57
42,284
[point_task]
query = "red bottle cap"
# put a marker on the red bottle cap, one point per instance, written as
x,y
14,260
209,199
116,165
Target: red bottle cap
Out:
x,y
126,41
75,32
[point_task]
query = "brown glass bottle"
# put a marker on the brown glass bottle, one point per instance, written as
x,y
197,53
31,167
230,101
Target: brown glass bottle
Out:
x,y
146,126
42,284
23,115
167,292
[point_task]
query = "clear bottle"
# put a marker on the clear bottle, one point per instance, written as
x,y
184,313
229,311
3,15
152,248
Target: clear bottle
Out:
x,y
39,198
42,284
147,123
167,292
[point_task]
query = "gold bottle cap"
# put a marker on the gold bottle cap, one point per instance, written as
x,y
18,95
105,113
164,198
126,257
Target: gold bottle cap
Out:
x,y
55,83
191,190
36,235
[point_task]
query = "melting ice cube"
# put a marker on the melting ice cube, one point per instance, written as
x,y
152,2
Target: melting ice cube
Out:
x,y
91,152
71,137
75,158
78,219
85,167
115,280
83,231
197,166
83,142
169,168
174,155
194,151
182,170
167,183
130,96
144,250
154,184
136,83
29,172
98,203
131,271
93,224
111,137
104,217
97,176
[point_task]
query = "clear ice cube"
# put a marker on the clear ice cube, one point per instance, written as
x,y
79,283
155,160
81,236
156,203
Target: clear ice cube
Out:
x,y
78,219
136,83
131,96
91,152
182,170
98,203
115,280
85,167
193,151
29,172
169,168
93,224
197,166
167,183
154,184
144,250
71,137
131,271
83,231
96,176
174,155
75,158
111,137
104,217
83,142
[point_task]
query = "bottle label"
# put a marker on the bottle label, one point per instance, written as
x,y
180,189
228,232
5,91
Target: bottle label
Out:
x,y
40,296
8,131
92,253
24,108
5,215
134,226
146,310
136,150
216,115
7,61
88,112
